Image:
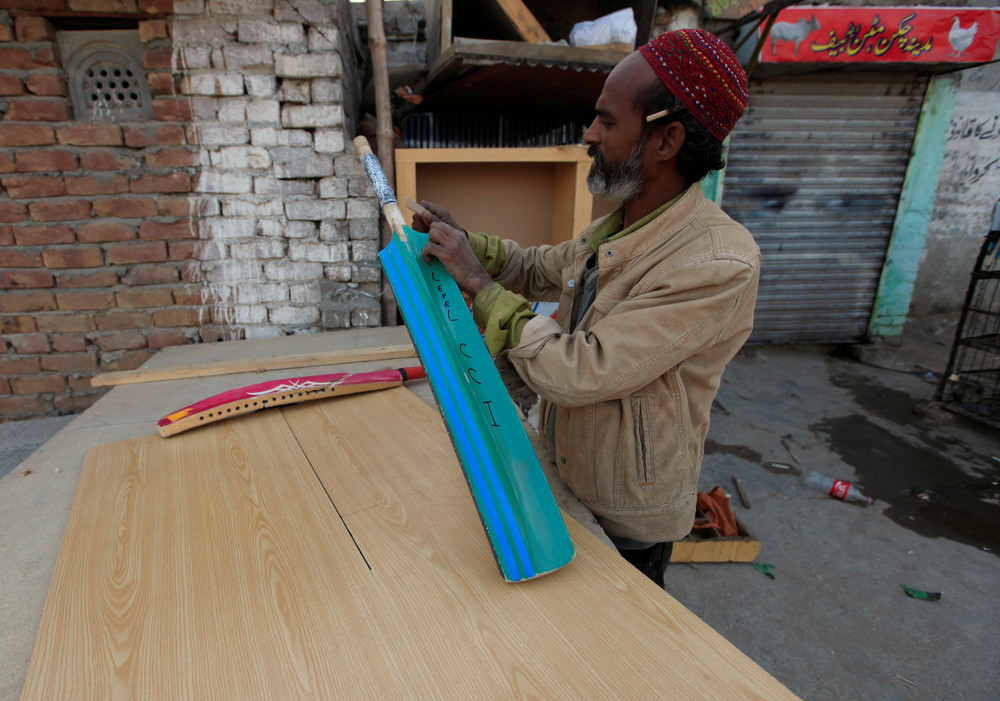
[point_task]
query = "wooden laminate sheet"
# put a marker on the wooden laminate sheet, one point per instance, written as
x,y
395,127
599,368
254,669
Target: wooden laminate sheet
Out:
x,y
332,550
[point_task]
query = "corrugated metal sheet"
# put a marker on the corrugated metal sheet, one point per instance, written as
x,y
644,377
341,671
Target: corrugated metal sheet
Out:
x,y
815,171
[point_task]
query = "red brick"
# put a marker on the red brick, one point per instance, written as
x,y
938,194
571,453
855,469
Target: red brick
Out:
x,y
172,158
163,339
16,58
47,84
104,160
28,301
124,360
166,135
104,277
212,334
73,257
120,340
44,234
49,160
178,316
161,84
78,382
172,182
177,206
190,272
150,275
190,295
125,207
5,33
159,57
6,235
24,187
11,85
70,362
180,229
18,324
22,259
65,323
23,406
152,29
38,384
29,343
4,386
69,342
75,403
85,301
18,366
140,252
172,109
164,7
119,320
37,110
12,212
144,297
26,135
90,135
30,28
25,279
102,230
6,163
46,57
59,210
109,184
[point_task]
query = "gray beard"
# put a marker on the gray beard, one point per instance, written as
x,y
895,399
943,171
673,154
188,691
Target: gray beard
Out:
x,y
618,184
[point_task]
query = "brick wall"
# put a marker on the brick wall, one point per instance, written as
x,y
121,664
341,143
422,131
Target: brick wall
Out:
x,y
239,210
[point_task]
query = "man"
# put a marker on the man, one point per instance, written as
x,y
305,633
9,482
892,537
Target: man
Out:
x,y
654,299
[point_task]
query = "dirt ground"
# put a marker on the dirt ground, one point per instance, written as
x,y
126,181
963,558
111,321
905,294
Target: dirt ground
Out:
x,y
835,622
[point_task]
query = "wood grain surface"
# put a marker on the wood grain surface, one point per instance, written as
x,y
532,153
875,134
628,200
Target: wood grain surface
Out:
x,y
332,550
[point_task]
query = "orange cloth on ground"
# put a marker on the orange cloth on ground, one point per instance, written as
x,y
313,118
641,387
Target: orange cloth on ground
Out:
x,y
715,505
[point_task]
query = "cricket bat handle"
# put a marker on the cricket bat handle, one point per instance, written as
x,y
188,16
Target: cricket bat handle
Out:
x,y
383,190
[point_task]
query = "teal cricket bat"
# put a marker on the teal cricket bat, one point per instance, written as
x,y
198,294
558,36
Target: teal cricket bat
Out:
x,y
519,514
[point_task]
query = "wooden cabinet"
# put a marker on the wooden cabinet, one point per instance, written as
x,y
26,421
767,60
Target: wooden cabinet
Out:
x,y
532,195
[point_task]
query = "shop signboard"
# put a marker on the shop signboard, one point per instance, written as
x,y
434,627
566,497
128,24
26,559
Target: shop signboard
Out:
x,y
882,35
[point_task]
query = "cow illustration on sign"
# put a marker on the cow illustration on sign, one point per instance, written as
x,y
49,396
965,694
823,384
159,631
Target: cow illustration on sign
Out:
x,y
793,31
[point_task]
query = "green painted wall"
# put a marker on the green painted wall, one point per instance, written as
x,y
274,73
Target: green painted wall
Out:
x,y
913,215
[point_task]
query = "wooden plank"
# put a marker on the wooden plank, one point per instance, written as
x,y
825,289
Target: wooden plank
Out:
x,y
541,154
277,362
520,18
185,573
216,565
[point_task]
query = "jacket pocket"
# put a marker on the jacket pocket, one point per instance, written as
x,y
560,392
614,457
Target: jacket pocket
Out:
x,y
645,448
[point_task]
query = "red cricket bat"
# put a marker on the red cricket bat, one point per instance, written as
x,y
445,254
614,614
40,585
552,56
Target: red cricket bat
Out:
x,y
278,392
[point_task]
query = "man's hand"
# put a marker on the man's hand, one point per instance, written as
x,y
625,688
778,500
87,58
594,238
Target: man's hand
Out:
x,y
451,246
436,213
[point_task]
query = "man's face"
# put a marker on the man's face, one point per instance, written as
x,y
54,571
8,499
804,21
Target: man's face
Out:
x,y
615,139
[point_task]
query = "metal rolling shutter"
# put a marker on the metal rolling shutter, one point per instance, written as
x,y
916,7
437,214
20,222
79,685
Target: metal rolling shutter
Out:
x,y
815,170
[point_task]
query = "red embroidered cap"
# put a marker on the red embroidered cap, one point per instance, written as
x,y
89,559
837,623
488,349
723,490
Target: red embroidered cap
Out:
x,y
704,74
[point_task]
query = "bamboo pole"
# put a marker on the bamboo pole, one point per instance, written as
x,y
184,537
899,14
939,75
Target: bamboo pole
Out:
x,y
383,129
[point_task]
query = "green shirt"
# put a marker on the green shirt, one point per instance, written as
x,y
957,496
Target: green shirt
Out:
x,y
501,314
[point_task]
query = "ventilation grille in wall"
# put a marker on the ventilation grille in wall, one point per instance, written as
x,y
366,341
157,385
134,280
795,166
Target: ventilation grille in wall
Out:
x,y
108,84
448,130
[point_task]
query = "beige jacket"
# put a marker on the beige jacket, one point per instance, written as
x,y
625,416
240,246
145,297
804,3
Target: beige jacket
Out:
x,y
633,385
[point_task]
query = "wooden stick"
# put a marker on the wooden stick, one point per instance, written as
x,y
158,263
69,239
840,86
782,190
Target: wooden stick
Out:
x,y
384,134
229,367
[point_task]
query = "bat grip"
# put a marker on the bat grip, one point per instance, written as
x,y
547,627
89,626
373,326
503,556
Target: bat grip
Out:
x,y
380,183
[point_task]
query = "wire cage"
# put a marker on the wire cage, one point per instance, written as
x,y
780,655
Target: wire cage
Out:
x,y
971,382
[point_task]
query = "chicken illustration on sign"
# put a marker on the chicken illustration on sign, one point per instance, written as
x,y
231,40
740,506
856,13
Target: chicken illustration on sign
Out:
x,y
883,34
961,39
